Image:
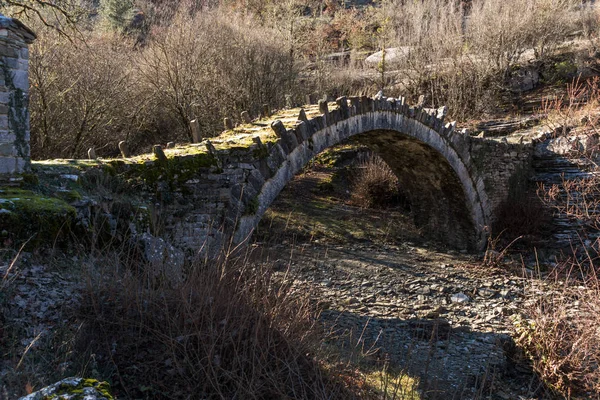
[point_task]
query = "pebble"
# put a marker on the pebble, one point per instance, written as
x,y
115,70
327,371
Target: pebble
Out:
x,y
460,298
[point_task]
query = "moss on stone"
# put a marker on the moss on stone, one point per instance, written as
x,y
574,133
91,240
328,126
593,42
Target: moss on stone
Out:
x,y
30,179
25,214
252,206
261,152
68,389
175,171
69,196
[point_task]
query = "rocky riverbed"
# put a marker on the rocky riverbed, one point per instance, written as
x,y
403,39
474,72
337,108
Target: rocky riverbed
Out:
x,y
440,317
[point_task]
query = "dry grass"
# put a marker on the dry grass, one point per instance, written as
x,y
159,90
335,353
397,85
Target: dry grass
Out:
x,y
374,185
561,332
226,332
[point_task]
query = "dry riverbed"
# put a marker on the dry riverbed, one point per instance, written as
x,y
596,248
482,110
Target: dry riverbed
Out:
x,y
437,316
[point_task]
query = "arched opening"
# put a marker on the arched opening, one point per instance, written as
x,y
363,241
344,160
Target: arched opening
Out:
x,y
446,195
435,193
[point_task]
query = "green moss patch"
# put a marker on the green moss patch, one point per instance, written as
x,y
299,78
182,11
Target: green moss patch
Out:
x,y
175,171
74,389
27,215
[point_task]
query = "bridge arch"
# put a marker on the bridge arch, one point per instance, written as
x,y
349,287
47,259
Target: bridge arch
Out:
x,y
431,160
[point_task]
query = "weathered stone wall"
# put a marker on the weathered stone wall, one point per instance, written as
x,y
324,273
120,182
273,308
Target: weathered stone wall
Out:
x,y
499,162
14,88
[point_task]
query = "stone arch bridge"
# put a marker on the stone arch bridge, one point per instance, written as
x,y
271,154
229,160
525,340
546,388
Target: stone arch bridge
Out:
x,y
215,192
212,191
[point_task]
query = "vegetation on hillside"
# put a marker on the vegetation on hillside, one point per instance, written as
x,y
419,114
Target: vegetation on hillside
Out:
x,y
141,70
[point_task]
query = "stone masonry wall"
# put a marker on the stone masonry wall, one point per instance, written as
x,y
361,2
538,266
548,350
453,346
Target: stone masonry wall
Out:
x,y
14,89
500,163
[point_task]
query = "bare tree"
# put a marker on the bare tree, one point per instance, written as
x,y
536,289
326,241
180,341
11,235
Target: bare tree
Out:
x,y
61,15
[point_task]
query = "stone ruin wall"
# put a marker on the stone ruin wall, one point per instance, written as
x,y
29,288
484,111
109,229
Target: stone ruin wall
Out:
x,y
14,88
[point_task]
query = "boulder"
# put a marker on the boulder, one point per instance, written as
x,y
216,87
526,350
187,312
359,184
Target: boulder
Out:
x,y
523,79
73,389
393,56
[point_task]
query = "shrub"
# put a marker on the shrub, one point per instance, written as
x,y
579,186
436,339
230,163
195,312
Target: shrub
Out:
x,y
200,66
116,12
81,95
560,333
225,332
375,184
460,53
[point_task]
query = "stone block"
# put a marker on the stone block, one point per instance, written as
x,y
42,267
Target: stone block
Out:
x,y
354,105
245,115
319,122
290,141
195,128
9,165
334,117
7,137
324,108
12,62
278,128
256,179
302,115
8,51
391,104
304,130
342,103
21,80
298,134
363,105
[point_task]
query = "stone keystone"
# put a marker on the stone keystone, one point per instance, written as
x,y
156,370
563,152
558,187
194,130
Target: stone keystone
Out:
x,y
124,148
